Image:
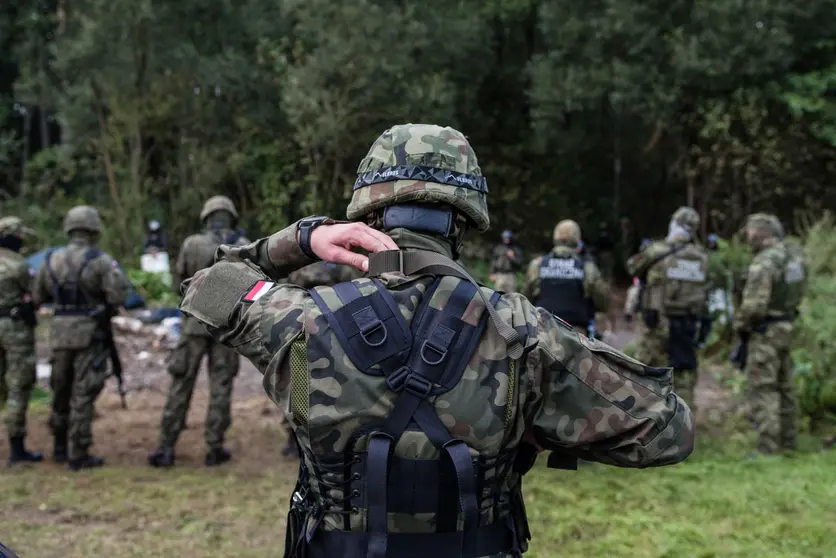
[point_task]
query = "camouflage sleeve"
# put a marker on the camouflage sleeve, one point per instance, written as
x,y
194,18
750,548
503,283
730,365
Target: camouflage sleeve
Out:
x,y
276,256
531,286
755,301
24,277
242,309
42,291
636,264
597,288
591,401
115,284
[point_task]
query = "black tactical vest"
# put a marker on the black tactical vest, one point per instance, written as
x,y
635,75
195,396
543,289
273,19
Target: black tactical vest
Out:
x,y
562,289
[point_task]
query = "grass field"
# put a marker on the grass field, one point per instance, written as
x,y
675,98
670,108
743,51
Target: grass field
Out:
x,y
715,505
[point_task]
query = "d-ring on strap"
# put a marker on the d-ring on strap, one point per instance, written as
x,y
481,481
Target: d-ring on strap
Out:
x,y
419,262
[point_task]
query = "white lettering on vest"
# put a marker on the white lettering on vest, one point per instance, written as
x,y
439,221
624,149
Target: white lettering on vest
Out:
x,y
561,269
687,270
794,273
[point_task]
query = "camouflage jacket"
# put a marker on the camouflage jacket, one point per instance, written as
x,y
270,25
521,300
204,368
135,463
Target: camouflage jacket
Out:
x,y
196,253
501,263
101,284
322,273
618,411
595,286
15,279
770,288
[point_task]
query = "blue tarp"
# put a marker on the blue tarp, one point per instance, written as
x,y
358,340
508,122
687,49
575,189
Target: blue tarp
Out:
x,y
36,261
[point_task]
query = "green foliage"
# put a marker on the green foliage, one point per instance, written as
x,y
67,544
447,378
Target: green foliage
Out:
x,y
152,288
815,352
578,109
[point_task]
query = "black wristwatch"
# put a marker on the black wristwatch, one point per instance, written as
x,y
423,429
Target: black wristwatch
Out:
x,y
306,227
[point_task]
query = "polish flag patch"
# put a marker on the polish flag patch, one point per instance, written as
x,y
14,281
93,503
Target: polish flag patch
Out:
x,y
258,291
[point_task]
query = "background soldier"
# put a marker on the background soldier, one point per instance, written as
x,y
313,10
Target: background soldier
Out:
x,y
565,284
17,336
775,284
219,218
86,287
674,301
421,343
506,261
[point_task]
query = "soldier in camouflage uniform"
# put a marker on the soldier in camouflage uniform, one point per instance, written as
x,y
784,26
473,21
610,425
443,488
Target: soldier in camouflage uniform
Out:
x,y
674,301
219,218
775,284
506,261
85,286
17,336
565,284
486,380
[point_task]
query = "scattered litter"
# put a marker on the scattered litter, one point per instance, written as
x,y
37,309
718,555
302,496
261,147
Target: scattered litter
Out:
x,y
143,355
124,323
43,370
167,333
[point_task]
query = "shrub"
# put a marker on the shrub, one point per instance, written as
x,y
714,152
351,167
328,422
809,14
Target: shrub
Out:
x,y
152,287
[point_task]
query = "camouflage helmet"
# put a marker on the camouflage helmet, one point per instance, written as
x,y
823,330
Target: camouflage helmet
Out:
x,y
421,163
83,217
765,223
217,203
687,218
13,226
567,232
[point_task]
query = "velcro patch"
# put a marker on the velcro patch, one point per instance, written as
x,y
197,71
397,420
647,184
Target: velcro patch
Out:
x,y
258,291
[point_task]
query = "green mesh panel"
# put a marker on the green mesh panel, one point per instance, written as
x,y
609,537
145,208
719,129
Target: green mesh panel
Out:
x,y
512,383
299,382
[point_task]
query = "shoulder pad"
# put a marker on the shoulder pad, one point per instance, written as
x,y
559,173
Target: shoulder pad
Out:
x,y
214,293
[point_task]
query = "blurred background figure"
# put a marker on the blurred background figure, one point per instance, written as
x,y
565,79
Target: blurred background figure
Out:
x,y
506,261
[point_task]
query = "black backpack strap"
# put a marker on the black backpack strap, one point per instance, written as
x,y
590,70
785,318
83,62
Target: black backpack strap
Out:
x,y
442,338
370,327
56,287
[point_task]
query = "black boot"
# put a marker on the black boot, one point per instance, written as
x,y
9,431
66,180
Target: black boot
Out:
x,y
86,462
161,457
59,451
19,453
217,457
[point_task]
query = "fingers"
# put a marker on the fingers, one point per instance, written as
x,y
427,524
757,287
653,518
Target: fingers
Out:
x,y
335,244
372,240
342,256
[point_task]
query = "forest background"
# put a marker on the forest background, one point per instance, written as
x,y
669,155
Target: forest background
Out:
x,y
591,110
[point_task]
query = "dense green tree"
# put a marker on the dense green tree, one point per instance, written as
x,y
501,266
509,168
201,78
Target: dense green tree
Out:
x,y
592,110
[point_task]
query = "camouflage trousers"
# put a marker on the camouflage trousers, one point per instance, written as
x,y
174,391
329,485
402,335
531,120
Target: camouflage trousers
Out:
x,y
17,373
184,367
77,379
506,282
771,393
652,349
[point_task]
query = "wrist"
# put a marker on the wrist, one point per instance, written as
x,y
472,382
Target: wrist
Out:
x,y
304,230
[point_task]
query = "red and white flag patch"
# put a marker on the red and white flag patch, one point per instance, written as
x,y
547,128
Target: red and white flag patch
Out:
x,y
259,290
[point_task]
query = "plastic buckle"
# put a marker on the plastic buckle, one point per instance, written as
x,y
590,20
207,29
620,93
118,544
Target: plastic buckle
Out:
x,y
418,385
367,330
441,352
397,379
